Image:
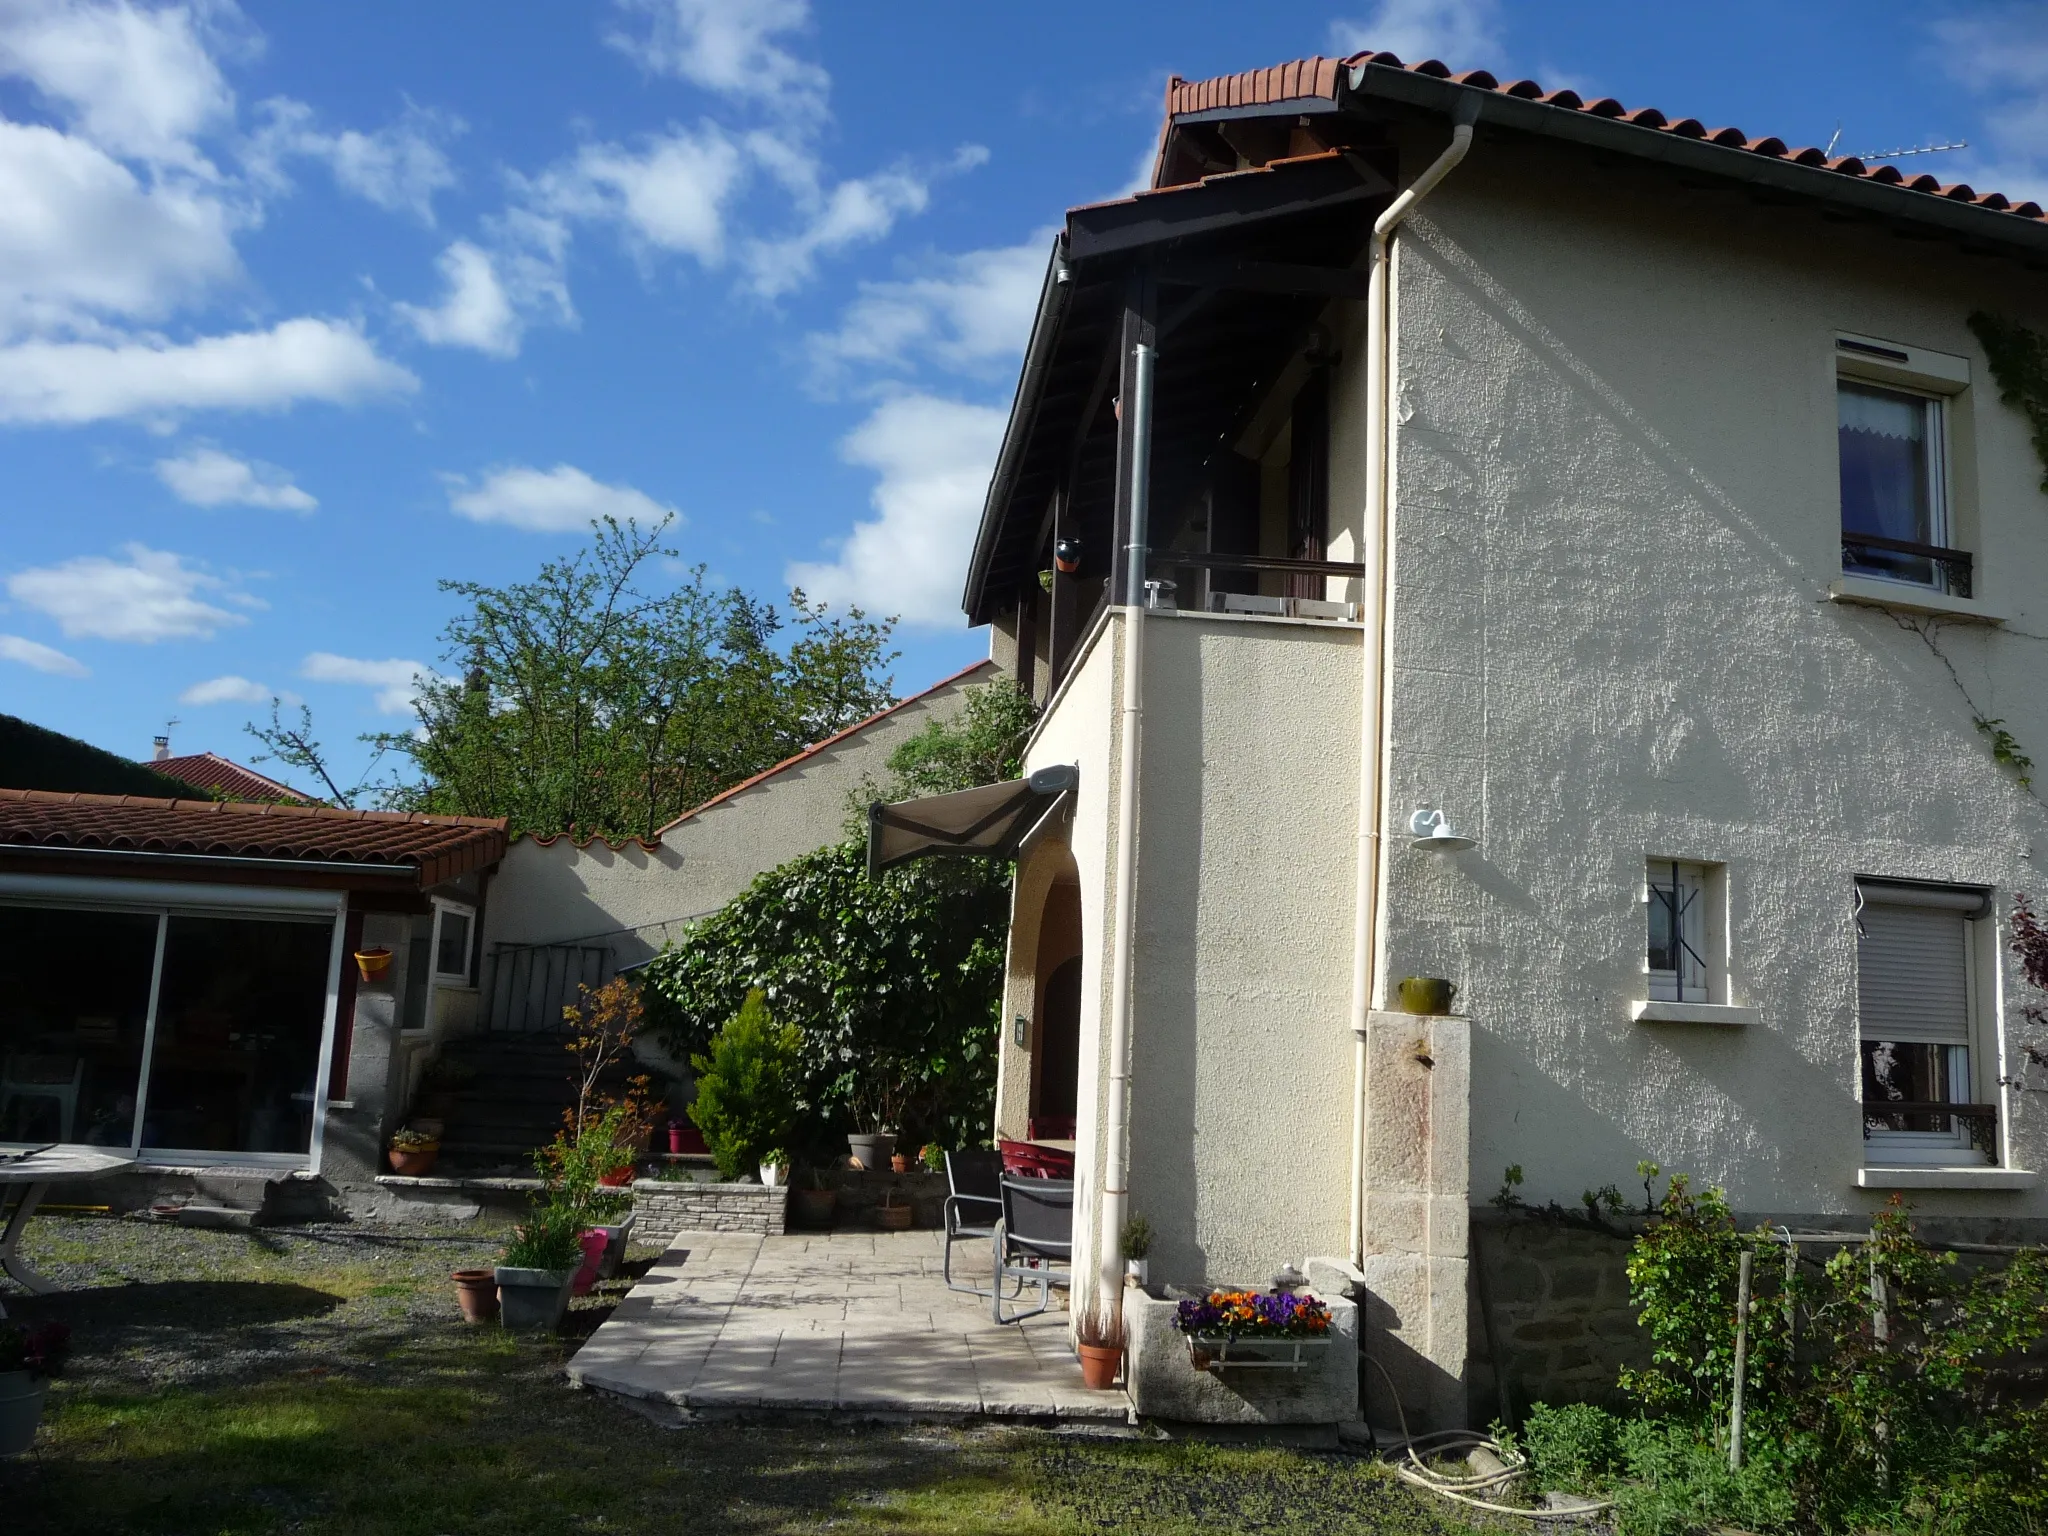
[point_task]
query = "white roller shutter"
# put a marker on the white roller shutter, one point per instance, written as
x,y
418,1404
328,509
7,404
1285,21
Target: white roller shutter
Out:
x,y
1912,980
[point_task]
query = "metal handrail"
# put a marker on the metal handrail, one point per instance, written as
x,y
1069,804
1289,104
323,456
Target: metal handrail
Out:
x,y
1208,562
1873,1107
1955,563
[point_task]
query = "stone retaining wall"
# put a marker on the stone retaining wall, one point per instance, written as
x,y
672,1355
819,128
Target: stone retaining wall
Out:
x,y
1560,1312
662,1208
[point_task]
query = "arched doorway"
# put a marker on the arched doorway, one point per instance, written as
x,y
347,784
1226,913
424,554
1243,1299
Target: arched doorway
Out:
x,y
1056,1063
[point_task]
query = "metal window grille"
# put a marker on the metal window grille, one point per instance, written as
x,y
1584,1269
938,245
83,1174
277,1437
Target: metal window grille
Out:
x,y
1677,949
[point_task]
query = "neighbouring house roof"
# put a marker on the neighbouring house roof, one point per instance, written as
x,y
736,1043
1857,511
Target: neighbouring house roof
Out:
x,y
226,778
427,850
829,742
35,757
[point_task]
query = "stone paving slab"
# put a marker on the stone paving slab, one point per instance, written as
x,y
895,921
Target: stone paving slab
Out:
x,y
847,1322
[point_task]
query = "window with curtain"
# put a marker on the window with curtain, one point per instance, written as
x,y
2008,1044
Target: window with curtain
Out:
x,y
1892,481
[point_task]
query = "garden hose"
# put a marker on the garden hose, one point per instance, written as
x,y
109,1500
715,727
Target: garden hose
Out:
x,y
1406,1459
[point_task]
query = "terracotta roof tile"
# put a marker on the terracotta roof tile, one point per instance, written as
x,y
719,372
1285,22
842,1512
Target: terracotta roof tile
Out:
x,y
209,770
1321,76
438,848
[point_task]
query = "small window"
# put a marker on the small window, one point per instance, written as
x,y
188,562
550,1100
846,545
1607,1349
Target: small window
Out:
x,y
451,945
1914,1002
1895,523
1680,933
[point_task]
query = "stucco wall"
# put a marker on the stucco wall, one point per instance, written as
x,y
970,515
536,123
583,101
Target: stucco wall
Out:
x,y
635,897
1617,519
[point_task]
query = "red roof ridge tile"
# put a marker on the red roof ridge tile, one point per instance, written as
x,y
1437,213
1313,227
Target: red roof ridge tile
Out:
x,y
248,808
1321,76
819,746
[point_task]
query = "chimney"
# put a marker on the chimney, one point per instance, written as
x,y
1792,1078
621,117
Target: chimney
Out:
x,y
163,749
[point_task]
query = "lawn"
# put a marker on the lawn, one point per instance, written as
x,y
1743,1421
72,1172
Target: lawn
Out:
x,y
319,1380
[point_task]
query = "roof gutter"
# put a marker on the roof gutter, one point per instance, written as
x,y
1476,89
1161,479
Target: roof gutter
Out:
x,y
1989,226
1045,331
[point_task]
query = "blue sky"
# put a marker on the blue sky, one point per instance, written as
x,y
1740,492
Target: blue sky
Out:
x,y
306,306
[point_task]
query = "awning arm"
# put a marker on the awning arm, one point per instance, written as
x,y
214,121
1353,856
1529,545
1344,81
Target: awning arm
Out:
x,y
988,821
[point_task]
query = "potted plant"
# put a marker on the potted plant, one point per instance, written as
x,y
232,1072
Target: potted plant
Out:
x,y
538,1267
29,1357
476,1292
1137,1246
372,963
894,1217
815,1200
413,1152
1247,1327
872,1149
1102,1352
775,1168
746,1102
932,1157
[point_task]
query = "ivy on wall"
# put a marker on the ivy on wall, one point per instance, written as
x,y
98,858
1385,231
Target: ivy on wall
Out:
x,y
2019,362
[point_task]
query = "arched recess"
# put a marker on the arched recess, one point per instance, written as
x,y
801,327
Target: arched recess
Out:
x,y
1056,1008
1045,932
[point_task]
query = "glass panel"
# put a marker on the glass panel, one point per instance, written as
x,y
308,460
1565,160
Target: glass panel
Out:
x,y
453,957
238,1030
1911,1072
74,1000
1678,970
1886,450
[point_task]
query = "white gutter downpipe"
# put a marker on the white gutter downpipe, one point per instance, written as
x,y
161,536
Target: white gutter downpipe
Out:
x,y
1107,1303
1373,643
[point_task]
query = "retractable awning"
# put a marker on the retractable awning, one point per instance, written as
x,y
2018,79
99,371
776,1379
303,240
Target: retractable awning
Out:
x,y
989,821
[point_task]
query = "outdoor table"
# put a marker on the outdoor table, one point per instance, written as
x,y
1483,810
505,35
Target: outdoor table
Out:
x,y
24,1180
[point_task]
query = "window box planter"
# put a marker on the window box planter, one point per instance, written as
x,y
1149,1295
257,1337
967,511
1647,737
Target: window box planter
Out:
x,y
1247,1330
1217,1352
534,1298
21,1410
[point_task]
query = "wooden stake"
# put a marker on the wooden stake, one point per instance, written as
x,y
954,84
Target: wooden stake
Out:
x,y
1741,1360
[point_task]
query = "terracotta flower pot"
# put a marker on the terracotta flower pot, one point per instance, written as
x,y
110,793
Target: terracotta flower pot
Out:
x,y
477,1291
371,964
1099,1364
416,1164
894,1218
899,1163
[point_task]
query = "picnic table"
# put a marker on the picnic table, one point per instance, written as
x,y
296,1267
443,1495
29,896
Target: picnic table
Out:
x,y
23,1182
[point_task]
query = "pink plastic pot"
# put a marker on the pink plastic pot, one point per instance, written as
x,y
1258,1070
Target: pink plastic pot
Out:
x,y
594,1244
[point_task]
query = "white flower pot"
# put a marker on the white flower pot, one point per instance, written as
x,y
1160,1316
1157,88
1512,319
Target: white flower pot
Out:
x,y
21,1410
1137,1271
774,1175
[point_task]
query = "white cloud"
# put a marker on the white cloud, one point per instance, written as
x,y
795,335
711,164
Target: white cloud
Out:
x,y
304,359
396,681
476,311
229,690
966,313
562,499
41,658
85,240
857,211
2000,54
398,167
732,49
137,81
1465,34
206,477
670,194
148,596
933,457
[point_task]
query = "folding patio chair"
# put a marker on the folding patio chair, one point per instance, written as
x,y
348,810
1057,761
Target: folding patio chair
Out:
x,y
1035,1234
973,1207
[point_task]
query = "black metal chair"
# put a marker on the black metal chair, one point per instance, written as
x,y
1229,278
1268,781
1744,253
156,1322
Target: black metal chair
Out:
x,y
974,1206
1035,1234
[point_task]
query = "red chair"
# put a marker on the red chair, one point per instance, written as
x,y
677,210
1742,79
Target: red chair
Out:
x,y
1027,1160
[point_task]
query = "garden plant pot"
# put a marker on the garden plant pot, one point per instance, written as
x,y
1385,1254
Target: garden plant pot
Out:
x,y
615,1235
1428,995
814,1208
1099,1364
1137,1272
872,1151
894,1218
899,1163
21,1409
477,1292
774,1175
595,1241
371,964
414,1165
533,1298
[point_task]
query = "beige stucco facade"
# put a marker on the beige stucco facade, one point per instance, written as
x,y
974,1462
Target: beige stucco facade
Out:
x,y
1617,632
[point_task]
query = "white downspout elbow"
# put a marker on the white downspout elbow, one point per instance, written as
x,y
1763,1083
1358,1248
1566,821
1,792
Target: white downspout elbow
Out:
x,y
1373,641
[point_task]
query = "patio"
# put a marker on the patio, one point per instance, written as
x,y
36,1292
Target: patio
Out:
x,y
847,1322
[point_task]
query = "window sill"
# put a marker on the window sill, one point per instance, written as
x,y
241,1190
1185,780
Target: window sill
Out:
x,y
1945,1178
1726,1015
1909,598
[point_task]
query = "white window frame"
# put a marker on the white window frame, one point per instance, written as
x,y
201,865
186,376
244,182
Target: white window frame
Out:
x,y
1955,1147
465,976
1935,377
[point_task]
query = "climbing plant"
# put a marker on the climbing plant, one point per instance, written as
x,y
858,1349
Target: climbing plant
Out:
x,y
2019,362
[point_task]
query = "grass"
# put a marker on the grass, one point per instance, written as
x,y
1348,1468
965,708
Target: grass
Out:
x,y
324,1392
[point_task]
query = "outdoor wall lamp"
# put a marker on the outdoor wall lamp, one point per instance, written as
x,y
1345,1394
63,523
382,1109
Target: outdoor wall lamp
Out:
x,y
1433,831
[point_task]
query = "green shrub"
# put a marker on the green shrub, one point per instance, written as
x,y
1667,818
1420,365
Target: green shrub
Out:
x,y
746,1087
571,1169
1572,1447
551,1238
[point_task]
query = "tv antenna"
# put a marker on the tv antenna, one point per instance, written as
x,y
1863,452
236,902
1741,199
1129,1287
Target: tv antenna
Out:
x,y
1917,149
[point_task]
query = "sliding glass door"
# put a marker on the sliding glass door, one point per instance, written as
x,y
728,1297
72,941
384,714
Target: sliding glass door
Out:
x,y
171,1034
